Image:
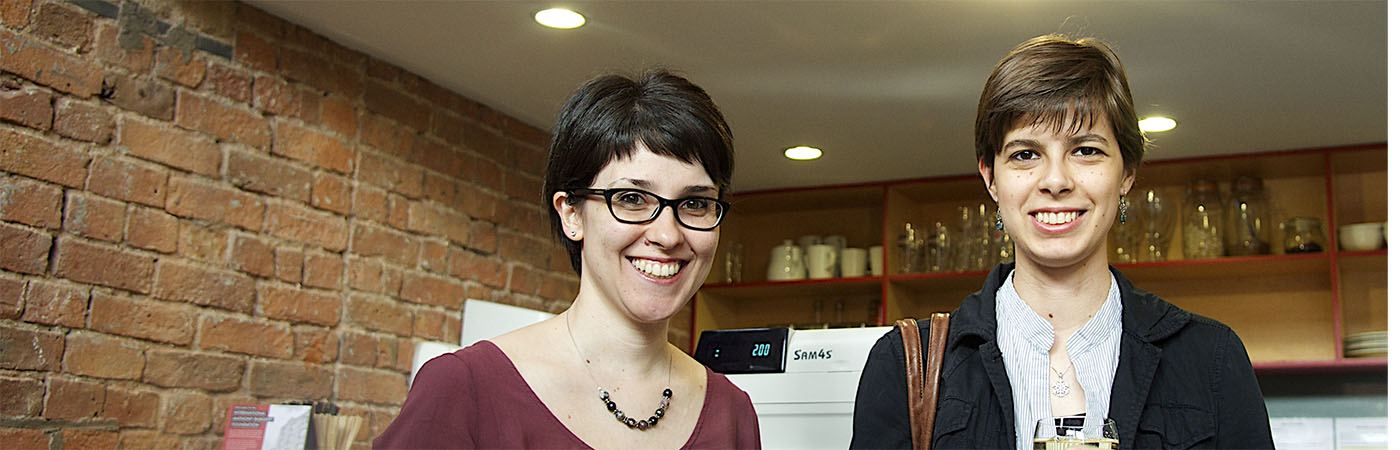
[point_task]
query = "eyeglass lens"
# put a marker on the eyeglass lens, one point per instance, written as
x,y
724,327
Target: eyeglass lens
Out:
x,y
641,206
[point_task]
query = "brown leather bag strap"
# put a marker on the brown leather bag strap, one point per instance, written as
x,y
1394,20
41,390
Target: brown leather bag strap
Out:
x,y
928,399
914,372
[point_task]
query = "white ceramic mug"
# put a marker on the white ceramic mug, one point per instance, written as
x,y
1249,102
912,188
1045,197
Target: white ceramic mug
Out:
x,y
807,241
821,261
785,263
877,260
853,262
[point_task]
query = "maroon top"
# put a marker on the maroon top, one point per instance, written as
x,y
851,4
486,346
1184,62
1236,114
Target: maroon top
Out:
x,y
475,398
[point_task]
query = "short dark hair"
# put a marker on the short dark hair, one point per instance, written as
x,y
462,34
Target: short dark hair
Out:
x,y
609,116
1048,78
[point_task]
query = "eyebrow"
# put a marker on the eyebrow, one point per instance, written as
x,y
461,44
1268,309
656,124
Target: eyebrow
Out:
x,y
1076,140
647,185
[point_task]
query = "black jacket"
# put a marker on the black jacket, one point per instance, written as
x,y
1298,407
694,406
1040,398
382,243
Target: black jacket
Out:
x,y
1182,381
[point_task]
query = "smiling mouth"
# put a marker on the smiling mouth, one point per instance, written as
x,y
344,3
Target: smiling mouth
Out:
x,y
657,269
1057,218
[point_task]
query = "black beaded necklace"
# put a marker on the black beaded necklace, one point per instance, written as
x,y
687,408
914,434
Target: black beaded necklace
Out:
x,y
639,425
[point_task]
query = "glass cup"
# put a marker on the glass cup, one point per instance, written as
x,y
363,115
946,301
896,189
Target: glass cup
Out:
x,y
1072,432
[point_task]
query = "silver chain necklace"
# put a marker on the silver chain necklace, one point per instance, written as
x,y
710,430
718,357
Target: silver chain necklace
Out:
x,y
639,425
1060,388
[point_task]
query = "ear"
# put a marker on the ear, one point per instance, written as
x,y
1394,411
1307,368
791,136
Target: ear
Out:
x,y
987,180
1127,184
570,216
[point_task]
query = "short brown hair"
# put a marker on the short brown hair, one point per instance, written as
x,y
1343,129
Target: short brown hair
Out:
x,y
1049,78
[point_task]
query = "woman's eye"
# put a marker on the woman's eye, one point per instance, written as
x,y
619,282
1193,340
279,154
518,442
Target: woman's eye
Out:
x,y
1023,155
696,205
1088,151
630,199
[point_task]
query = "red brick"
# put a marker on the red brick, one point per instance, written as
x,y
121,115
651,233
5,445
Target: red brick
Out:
x,y
320,45
204,286
188,197
381,70
255,52
274,95
61,25
224,122
197,370
167,145
322,271
310,105
431,154
187,69
53,303
133,438
315,71
38,158
233,83
395,353
103,356
439,188
269,175
385,135
304,144
125,180
24,438
142,318
428,324
483,235
131,408
307,226
94,217
530,160
391,103
378,314
85,262
366,275
28,107
289,264
257,338
11,296
522,187
330,192
15,13
108,50
433,257
34,350
188,413
391,174
358,348
20,397
526,249
299,305
73,399
489,175
559,260
149,97
252,255
315,345
152,229
205,242
339,116
290,380
525,280
30,202
369,203
486,142
429,290
371,386
82,121
376,241
429,219
471,266
90,439
48,67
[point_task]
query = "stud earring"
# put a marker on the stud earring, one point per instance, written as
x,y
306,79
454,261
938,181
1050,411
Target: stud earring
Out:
x,y
573,233
1122,209
1000,226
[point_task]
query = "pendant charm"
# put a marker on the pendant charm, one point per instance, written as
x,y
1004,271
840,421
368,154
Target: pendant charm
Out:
x,y
1060,389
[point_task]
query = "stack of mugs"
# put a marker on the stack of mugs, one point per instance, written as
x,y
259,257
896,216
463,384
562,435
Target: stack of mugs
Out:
x,y
817,257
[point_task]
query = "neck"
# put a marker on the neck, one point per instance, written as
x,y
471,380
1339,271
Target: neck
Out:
x,y
615,348
1068,296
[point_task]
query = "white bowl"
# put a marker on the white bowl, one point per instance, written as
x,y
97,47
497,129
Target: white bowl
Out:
x,y
1361,236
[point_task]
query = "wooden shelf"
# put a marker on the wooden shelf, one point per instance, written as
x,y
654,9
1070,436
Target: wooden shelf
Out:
x,y
1331,366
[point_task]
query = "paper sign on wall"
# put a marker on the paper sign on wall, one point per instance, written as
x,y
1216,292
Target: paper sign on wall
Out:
x,y
266,427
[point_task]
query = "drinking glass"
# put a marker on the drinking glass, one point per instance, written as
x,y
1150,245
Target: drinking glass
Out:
x,y
1069,432
734,263
1158,215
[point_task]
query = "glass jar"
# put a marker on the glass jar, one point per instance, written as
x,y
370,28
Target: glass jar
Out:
x,y
939,251
1202,221
1302,235
1247,230
1158,215
911,248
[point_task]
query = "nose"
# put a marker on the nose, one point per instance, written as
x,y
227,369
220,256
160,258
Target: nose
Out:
x,y
665,232
1057,179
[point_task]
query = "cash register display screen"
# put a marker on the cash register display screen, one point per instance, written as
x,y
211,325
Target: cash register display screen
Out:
x,y
752,350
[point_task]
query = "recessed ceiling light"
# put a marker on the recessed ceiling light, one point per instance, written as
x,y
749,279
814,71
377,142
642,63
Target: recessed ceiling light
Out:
x,y
1156,124
559,18
803,153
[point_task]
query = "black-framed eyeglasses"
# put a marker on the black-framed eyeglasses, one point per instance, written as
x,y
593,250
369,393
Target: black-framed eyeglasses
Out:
x,y
636,206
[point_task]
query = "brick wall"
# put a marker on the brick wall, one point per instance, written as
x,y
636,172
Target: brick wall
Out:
x,y
181,228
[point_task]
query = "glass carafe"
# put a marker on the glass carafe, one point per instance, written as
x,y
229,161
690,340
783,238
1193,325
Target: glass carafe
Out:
x,y
1247,218
1158,218
1202,222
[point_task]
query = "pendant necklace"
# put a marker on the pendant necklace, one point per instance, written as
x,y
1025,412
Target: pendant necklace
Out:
x,y
1060,388
639,425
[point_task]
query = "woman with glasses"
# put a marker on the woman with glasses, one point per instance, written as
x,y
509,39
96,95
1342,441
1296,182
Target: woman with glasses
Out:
x,y
636,173
1059,333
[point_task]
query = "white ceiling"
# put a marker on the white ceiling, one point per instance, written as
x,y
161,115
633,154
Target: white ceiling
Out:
x,y
889,89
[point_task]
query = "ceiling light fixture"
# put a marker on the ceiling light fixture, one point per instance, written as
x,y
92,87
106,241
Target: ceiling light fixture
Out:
x,y
803,153
559,18
1156,124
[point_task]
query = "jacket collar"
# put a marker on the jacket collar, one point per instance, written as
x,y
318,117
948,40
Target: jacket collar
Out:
x,y
1146,317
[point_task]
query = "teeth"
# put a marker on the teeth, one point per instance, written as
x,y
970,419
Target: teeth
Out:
x,y
1056,218
657,269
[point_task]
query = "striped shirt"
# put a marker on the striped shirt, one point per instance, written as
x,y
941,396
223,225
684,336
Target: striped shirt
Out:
x,y
1025,339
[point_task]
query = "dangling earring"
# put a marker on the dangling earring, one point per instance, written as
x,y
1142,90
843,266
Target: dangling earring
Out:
x,y
1122,210
1000,226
